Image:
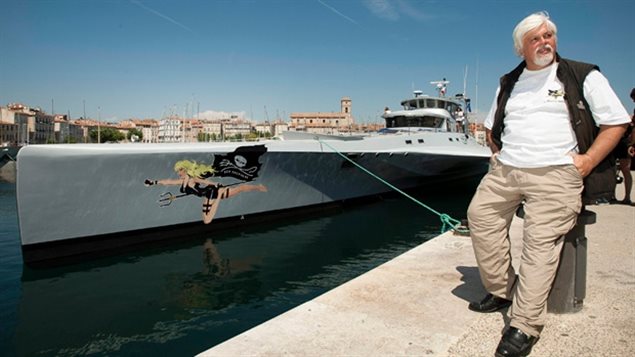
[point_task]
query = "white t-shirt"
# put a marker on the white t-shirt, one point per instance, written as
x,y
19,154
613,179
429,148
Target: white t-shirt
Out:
x,y
537,129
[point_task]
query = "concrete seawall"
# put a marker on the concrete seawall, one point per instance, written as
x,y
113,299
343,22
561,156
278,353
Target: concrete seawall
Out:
x,y
416,304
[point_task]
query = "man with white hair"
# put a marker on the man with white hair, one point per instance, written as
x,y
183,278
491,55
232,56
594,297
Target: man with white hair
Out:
x,y
551,126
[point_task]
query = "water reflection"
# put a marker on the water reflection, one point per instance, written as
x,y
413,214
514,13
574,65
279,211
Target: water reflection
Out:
x,y
215,265
184,299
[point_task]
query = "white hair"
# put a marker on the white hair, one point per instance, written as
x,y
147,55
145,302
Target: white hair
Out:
x,y
529,23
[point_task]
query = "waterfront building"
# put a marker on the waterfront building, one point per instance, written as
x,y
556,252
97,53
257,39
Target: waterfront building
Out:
x,y
325,123
191,130
89,125
76,131
86,125
236,127
8,128
264,129
149,129
170,130
279,126
67,131
62,129
22,125
42,127
26,125
211,130
368,127
125,127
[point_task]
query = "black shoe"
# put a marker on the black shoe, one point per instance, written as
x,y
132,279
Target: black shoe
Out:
x,y
490,303
515,343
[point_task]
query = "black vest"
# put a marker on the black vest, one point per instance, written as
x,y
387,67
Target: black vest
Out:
x,y
600,183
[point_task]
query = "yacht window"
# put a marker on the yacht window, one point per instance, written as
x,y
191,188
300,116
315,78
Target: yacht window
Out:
x,y
430,103
409,105
422,122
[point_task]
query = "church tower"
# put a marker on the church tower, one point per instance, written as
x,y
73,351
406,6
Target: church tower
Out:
x,y
346,105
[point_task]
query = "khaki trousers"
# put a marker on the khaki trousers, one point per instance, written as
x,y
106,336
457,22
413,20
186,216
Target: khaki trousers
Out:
x,y
552,202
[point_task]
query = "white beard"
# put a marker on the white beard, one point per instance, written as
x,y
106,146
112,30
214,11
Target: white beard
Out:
x,y
543,61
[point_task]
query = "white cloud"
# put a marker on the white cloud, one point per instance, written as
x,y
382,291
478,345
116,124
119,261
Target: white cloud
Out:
x,y
212,114
382,9
393,10
406,8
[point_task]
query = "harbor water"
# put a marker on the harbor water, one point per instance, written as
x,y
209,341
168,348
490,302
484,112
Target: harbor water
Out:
x,y
186,297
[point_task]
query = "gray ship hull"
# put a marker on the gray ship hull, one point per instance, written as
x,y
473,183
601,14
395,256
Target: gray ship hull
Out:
x,y
91,197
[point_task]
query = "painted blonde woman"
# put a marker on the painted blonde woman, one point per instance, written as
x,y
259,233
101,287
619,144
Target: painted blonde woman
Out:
x,y
193,181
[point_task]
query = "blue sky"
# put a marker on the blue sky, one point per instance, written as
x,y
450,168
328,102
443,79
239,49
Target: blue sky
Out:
x,y
123,59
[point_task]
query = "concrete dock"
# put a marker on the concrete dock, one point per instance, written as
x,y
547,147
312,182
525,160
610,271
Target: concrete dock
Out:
x,y
416,305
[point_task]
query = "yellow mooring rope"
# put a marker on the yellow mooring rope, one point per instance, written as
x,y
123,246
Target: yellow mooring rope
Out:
x,y
447,221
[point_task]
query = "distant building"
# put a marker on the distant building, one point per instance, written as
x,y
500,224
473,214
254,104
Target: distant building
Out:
x,y
263,129
26,125
324,123
478,131
23,125
67,131
170,130
268,129
279,127
191,129
212,130
42,128
369,127
236,127
149,129
8,128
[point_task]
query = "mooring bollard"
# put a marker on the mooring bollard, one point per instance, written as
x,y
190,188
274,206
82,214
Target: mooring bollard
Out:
x,y
569,287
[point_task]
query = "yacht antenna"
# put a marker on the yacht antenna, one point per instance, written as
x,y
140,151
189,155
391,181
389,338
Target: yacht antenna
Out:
x,y
441,86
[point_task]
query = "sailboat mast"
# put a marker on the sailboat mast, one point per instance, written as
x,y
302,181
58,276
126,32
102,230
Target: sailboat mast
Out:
x,y
465,82
476,89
